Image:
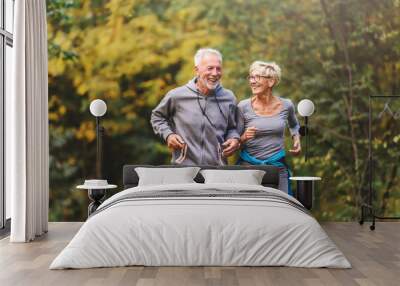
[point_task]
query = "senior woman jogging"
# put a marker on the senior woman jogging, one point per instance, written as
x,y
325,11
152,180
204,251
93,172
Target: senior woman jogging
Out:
x,y
262,120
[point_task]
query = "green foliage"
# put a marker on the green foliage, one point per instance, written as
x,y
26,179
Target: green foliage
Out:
x,y
130,53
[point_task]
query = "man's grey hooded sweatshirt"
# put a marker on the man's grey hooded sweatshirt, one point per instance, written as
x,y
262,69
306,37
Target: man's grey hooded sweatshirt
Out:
x,y
184,111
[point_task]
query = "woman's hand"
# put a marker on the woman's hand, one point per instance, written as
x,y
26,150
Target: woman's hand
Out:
x,y
248,134
296,146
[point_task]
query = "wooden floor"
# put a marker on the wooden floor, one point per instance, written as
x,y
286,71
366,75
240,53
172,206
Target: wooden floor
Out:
x,y
375,256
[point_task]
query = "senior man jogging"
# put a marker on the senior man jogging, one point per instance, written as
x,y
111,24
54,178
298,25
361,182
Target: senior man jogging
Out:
x,y
197,120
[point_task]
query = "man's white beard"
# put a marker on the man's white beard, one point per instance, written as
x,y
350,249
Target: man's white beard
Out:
x,y
212,86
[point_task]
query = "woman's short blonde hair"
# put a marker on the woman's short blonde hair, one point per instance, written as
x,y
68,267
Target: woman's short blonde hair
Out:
x,y
269,69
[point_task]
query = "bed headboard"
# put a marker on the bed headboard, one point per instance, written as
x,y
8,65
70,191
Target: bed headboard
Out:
x,y
271,178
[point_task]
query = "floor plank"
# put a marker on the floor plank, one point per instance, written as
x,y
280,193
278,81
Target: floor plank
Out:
x,y
375,257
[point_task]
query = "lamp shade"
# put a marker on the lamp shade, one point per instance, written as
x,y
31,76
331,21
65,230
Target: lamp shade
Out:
x,y
305,107
98,107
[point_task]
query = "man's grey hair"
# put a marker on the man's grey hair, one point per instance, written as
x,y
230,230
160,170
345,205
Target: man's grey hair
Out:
x,y
201,53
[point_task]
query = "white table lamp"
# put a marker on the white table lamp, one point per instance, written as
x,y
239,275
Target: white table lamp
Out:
x,y
305,108
98,108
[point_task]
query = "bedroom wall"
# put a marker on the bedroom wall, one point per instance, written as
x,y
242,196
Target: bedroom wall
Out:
x,y
130,53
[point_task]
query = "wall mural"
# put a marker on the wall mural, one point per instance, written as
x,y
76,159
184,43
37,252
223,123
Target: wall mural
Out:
x,y
131,53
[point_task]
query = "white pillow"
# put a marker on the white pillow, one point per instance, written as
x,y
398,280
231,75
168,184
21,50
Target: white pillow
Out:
x,y
166,176
248,177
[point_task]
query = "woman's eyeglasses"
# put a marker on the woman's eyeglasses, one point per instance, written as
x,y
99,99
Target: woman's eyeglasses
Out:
x,y
257,77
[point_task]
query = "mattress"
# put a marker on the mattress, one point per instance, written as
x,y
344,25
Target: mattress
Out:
x,y
201,225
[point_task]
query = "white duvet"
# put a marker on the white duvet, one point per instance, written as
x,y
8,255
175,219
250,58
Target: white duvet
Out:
x,y
183,231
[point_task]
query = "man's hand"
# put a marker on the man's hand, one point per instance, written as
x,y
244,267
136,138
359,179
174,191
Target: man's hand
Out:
x,y
230,146
250,133
175,142
296,146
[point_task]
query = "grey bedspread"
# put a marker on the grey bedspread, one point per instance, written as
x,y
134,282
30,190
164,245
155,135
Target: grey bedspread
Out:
x,y
201,224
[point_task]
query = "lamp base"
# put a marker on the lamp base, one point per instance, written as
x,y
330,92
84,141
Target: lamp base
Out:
x,y
96,196
305,190
305,193
304,130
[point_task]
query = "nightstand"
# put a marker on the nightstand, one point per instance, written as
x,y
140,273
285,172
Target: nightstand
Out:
x,y
96,192
305,190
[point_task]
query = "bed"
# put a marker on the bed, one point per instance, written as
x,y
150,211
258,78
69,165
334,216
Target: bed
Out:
x,y
201,224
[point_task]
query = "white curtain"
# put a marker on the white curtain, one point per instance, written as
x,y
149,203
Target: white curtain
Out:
x,y
27,140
